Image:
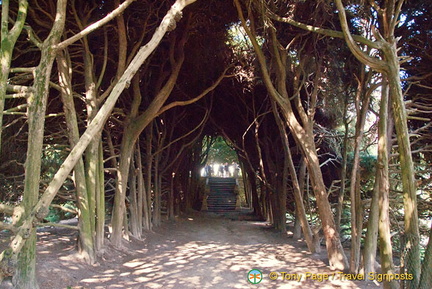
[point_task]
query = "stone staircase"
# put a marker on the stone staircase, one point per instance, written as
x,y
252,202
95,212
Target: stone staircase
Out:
x,y
221,197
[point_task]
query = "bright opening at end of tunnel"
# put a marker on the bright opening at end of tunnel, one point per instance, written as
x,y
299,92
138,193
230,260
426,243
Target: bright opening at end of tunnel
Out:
x,y
220,158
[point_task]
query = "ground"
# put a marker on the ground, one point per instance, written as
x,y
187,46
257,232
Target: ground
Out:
x,y
198,250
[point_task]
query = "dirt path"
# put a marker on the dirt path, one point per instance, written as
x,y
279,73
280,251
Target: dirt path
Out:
x,y
198,251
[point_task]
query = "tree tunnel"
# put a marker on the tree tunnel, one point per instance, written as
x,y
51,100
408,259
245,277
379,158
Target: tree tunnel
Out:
x,y
116,122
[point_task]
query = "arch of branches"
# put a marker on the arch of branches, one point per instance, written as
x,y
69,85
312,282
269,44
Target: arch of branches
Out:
x,y
113,106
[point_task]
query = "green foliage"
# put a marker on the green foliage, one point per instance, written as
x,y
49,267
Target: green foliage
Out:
x,y
238,39
52,157
368,162
221,152
55,215
367,170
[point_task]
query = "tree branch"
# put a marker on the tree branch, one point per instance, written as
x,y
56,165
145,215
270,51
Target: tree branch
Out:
x,y
374,63
195,99
6,209
322,31
6,226
49,224
40,209
95,25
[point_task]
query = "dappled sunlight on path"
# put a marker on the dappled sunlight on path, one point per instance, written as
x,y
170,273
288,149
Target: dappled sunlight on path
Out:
x,y
196,251
214,252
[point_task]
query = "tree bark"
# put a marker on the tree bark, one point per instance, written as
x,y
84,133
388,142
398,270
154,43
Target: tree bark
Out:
x,y
340,204
426,272
134,223
119,209
143,193
100,203
25,276
362,107
304,138
171,198
411,228
149,166
386,251
86,246
41,208
298,198
139,189
8,39
92,152
297,228
246,184
251,178
157,182
370,246
390,67
134,127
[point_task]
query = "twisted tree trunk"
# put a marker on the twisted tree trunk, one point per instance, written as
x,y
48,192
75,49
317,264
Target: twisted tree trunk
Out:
x,y
8,257
304,137
25,276
390,68
84,220
386,250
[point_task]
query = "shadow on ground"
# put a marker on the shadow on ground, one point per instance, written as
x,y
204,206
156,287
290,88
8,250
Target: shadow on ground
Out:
x,y
197,251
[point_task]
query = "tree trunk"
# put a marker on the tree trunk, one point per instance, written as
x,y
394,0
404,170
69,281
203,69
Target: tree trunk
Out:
x,y
276,187
264,199
86,245
94,164
390,67
305,140
8,39
411,233
251,179
336,255
374,215
304,187
281,202
119,209
92,157
148,175
386,251
362,99
300,209
271,206
340,204
246,185
41,208
140,191
297,227
134,127
157,220
370,246
92,174
135,218
426,272
100,203
280,199
171,215
298,198
304,137
25,276
143,192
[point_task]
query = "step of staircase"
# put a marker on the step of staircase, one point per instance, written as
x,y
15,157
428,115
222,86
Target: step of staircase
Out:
x,y
222,197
